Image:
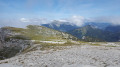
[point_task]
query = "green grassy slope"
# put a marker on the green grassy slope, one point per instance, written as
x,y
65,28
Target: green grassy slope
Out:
x,y
35,32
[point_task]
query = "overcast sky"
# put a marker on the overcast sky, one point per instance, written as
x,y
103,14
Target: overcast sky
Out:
x,y
19,12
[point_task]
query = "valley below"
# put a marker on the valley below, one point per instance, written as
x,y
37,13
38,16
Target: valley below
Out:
x,y
87,54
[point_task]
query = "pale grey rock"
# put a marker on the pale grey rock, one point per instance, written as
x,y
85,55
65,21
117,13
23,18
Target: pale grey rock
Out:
x,y
70,56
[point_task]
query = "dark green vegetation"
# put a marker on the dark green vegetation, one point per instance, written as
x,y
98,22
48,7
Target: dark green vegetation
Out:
x,y
113,28
90,33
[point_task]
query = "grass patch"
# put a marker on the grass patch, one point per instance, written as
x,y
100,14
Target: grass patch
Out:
x,y
69,42
96,44
47,46
111,46
35,32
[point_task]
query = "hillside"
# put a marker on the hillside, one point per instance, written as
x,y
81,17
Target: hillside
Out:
x,y
35,32
113,28
90,33
100,25
15,40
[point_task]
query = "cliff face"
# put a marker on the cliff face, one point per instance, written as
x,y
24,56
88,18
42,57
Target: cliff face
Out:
x,y
10,45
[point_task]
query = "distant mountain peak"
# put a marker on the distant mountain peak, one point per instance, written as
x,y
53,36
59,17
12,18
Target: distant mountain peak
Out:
x,y
91,26
61,22
98,25
61,25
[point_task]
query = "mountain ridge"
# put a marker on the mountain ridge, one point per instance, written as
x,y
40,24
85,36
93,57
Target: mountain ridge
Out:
x,y
61,26
14,41
92,30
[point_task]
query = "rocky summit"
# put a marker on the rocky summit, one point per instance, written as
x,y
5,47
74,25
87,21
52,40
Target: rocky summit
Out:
x,y
14,41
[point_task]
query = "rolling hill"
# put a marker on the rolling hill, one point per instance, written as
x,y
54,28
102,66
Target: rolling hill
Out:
x,y
15,40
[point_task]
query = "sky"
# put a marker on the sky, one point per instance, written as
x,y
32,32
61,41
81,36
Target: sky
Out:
x,y
22,12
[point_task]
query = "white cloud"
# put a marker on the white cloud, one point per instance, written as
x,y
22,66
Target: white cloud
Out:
x,y
34,20
106,19
77,20
63,20
24,20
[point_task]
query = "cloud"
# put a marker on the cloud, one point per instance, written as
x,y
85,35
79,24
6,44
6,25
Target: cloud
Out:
x,y
24,20
61,20
77,20
35,20
115,20
11,22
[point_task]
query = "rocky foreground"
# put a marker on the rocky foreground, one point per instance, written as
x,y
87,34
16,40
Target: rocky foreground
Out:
x,y
68,56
